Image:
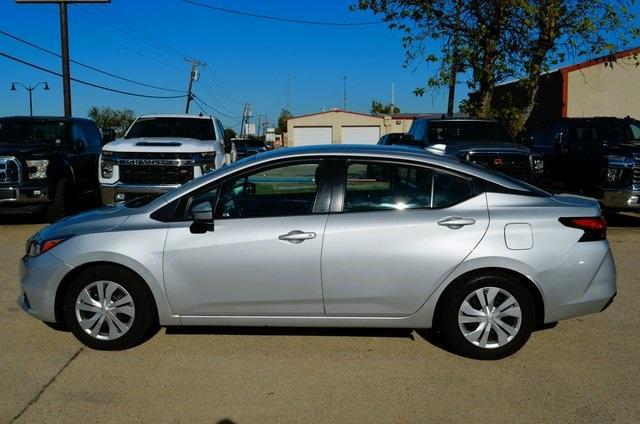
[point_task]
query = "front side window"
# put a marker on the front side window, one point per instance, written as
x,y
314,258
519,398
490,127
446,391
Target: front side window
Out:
x,y
281,191
386,186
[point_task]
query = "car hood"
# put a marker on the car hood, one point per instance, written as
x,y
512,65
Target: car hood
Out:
x,y
160,145
16,149
460,148
93,221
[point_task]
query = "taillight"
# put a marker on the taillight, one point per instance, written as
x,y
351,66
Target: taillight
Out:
x,y
594,227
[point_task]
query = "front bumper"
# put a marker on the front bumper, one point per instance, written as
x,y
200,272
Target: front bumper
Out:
x,y
40,277
621,199
23,199
109,192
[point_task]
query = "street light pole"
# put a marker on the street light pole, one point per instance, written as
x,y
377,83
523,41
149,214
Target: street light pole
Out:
x,y
30,89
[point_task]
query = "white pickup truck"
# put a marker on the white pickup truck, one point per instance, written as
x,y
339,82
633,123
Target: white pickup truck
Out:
x,y
161,152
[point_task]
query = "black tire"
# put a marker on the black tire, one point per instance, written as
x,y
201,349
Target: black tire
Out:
x,y
58,209
507,285
142,323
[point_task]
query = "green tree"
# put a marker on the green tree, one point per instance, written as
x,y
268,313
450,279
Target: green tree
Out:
x,y
285,115
107,117
379,108
229,133
499,40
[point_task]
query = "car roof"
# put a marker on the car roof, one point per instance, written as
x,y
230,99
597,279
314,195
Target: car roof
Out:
x,y
455,120
177,115
46,118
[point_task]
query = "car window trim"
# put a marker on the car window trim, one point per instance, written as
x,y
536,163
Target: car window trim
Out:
x,y
184,201
340,184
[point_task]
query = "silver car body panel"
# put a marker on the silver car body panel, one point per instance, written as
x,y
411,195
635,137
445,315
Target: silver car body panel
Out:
x,y
380,269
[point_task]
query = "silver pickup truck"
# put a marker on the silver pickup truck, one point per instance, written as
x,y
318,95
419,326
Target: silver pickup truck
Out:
x,y
161,152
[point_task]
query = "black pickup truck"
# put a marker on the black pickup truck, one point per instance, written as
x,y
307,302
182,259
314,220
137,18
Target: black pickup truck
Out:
x,y
478,141
597,157
45,162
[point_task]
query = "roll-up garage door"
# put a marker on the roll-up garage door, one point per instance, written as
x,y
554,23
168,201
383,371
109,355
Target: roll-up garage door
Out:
x,y
307,136
360,135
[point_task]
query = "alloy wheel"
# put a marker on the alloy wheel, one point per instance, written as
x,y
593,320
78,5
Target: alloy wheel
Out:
x,y
105,310
489,317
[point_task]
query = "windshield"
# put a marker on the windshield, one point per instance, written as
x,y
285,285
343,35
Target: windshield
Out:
x,y
199,129
32,131
612,130
445,132
250,143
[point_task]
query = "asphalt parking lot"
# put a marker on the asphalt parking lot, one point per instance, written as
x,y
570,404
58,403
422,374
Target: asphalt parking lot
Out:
x,y
583,370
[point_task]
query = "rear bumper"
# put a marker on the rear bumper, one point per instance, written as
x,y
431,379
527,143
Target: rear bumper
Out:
x,y
574,289
108,192
621,199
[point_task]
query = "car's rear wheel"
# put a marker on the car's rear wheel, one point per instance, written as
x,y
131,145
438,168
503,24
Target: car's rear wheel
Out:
x,y
488,316
108,308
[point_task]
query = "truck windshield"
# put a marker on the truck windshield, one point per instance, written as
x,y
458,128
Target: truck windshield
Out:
x,y
613,131
32,131
446,132
197,128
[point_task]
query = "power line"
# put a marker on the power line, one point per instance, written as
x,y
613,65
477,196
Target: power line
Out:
x,y
196,97
278,18
120,18
21,40
90,84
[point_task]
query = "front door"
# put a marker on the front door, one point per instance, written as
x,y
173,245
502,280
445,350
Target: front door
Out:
x,y
263,255
401,231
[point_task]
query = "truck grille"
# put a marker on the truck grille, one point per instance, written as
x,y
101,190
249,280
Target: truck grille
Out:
x,y
9,170
155,175
636,170
516,166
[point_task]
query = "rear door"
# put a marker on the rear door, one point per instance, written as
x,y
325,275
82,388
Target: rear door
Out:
x,y
401,230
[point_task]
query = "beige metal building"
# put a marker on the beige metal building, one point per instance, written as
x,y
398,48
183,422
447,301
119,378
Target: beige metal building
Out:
x,y
606,86
343,127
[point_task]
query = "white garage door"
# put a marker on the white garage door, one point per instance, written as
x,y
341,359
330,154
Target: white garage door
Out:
x,y
360,135
307,136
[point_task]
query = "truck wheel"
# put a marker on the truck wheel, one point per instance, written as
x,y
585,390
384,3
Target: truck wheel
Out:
x,y
58,209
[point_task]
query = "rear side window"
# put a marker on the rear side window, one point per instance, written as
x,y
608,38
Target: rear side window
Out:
x,y
375,186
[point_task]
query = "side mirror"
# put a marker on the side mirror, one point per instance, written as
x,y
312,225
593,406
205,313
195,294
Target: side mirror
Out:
x,y
77,146
108,135
228,146
202,214
560,143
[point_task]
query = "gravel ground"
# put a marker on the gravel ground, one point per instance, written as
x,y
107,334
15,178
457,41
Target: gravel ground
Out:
x,y
583,370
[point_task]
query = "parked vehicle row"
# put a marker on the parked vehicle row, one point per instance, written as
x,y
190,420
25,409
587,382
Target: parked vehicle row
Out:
x,y
356,236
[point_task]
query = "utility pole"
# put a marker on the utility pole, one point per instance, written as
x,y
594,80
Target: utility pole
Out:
x,y
66,69
454,64
393,94
30,89
344,93
289,92
64,45
246,116
194,75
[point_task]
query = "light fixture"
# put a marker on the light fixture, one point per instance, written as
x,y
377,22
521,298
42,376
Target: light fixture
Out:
x,y
13,86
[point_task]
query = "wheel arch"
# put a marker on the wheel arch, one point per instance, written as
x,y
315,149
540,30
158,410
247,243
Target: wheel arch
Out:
x,y
65,283
531,287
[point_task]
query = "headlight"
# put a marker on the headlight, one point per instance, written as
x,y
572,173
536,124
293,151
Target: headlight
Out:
x,y
106,169
613,174
538,165
209,161
37,169
207,167
35,247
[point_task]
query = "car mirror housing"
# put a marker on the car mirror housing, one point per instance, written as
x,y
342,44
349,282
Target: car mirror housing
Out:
x,y
202,218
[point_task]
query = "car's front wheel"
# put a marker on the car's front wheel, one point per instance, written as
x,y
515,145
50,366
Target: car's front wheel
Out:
x,y
108,308
488,316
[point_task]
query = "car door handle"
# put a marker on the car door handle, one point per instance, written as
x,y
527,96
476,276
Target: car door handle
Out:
x,y
297,236
455,222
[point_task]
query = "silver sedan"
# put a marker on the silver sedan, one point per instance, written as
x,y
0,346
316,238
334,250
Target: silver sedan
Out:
x,y
335,236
